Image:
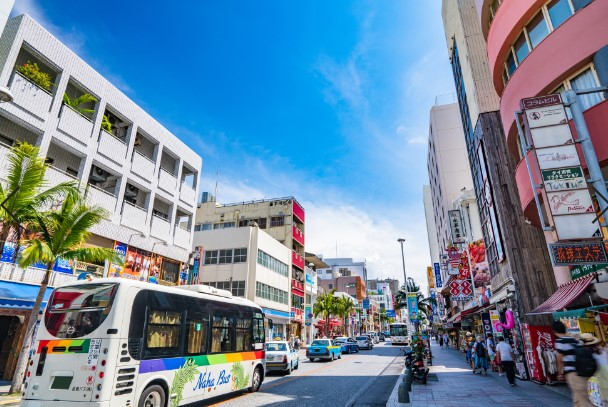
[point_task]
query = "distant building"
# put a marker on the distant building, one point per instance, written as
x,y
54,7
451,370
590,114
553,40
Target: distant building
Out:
x,y
352,285
343,267
282,219
393,284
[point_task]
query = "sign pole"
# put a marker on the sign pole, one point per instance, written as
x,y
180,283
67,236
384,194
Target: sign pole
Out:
x,y
407,290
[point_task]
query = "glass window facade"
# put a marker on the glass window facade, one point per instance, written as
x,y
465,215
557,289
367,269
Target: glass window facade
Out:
x,y
559,11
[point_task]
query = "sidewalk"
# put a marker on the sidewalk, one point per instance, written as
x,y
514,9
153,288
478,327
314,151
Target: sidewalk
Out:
x,y
452,383
4,397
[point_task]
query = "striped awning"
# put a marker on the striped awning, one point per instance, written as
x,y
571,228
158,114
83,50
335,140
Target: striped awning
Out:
x,y
565,295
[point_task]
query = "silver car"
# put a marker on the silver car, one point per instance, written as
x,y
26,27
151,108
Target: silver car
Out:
x,y
364,342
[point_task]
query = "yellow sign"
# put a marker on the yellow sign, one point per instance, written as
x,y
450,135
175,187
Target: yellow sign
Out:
x,y
429,274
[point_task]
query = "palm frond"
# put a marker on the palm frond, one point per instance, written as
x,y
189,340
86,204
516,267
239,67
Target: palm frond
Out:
x,y
36,251
91,254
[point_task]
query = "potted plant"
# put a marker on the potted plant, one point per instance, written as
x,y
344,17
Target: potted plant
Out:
x,y
106,125
77,103
32,72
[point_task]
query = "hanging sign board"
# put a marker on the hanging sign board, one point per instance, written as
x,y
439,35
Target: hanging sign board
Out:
x,y
546,116
460,290
570,202
430,277
456,226
437,271
580,226
573,254
557,157
540,101
551,136
562,179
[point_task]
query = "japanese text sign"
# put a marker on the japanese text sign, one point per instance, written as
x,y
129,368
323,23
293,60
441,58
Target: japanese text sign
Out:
x,y
577,253
456,226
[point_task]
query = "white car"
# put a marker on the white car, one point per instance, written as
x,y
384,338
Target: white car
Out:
x,y
364,342
375,338
280,356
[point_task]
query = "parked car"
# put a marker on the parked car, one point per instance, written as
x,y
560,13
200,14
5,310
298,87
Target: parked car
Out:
x,y
323,349
381,337
364,342
387,334
348,345
280,356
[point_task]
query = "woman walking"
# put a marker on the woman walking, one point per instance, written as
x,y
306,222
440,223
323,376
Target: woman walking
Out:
x,y
441,341
481,356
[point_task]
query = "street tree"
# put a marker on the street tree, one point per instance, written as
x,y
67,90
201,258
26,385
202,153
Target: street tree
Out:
x,y
344,306
325,306
58,234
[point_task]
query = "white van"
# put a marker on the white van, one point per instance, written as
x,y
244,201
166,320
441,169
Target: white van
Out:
x,y
375,338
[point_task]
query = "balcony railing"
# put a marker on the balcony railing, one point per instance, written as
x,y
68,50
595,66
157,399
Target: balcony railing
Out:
x,y
187,194
142,165
55,176
30,97
167,181
297,260
102,198
32,275
133,216
161,228
4,152
182,237
75,125
112,147
298,236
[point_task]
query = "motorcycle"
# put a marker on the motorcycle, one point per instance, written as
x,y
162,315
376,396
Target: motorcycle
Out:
x,y
416,363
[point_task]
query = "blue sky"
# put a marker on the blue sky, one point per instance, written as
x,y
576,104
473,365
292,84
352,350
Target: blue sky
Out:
x,y
327,101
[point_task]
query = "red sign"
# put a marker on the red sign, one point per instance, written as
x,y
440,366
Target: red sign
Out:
x,y
548,100
461,290
572,254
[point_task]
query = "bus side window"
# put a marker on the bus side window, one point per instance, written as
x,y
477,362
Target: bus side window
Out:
x,y
243,333
198,327
163,333
222,334
258,330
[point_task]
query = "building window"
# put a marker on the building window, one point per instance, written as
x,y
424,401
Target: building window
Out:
x,y
240,255
225,256
266,260
521,48
276,221
585,79
170,271
330,286
559,11
271,293
211,256
537,29
206,226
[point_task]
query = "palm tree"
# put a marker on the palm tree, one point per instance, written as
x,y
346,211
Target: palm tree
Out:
x,y
59,234
325,306
424,303
344,306
26,192
382,317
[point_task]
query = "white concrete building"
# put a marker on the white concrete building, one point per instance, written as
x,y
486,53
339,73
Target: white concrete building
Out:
x,y
136,169
343,267
250,263
431,226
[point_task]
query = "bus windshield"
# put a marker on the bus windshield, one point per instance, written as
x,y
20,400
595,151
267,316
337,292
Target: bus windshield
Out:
x,y
398,330
76,311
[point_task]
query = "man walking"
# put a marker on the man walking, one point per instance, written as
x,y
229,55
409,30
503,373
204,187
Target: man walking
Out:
x,y
565,345
446,340
491,347
506,357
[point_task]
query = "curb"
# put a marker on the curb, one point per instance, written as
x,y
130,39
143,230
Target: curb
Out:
x,y
393,400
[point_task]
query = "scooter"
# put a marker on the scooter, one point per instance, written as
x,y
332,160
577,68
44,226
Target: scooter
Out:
x,y
419,371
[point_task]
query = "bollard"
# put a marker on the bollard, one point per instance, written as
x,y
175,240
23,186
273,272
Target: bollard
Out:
x,y
403,395
408,382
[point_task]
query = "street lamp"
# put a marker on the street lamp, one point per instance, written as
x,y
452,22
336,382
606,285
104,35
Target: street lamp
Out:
x,y
407,290
5,95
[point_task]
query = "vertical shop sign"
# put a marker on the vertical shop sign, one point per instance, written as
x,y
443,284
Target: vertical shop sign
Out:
x,y
430,277
116,267
437,270
456,227
308,315
486,323
494,319
196,265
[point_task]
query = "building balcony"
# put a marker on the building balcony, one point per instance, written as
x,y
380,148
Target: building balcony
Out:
x,y
182,237
142,166
75,125
134,217
167,181
297,288
99,197
298,236
55,177
161,228
113,148
30,97
187,194
32,275
297,260
298,211
4,152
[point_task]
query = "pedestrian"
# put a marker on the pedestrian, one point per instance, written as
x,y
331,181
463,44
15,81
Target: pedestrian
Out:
x,y
491,347
446,340
481,356
441,342
601,359
507,360
566,347
297,343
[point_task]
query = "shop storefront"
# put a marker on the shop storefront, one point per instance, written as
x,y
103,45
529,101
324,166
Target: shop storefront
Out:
x,y
277,324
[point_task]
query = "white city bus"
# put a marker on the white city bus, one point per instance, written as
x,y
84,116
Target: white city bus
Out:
x,y
399,334
117,342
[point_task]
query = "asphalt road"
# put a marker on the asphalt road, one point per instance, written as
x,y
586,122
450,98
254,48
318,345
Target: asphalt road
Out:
x,y
361,379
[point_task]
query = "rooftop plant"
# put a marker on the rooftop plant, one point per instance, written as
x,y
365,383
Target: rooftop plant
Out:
x,y
105,124
77,103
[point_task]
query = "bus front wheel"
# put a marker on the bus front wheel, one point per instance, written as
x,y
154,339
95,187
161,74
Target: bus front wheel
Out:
x,y
153,396
256,381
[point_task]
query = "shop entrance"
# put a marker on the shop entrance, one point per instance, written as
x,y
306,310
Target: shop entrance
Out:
x,y
9,329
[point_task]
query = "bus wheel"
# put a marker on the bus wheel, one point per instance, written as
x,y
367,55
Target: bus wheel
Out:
x,y
256,381
153,396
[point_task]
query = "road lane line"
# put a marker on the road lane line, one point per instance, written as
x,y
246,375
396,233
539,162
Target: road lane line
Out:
x,y
280,382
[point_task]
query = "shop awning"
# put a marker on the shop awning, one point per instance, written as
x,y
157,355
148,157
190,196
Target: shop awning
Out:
x,y
455,318
565,295
470,311
17,295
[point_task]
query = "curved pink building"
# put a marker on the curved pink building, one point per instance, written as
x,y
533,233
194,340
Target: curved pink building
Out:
x,y
537,47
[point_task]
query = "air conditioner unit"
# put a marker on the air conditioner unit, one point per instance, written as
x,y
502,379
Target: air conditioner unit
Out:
x,y
98,175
